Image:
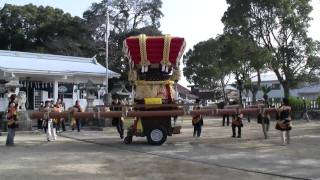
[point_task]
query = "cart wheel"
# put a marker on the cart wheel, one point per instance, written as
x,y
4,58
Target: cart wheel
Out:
x,y
128,140
157,136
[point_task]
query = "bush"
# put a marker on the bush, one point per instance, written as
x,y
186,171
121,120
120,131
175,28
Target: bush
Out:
x,y
318,101
297,103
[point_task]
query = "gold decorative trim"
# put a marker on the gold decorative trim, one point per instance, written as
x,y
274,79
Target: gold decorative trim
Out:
x,y
166,51
153,82
143,50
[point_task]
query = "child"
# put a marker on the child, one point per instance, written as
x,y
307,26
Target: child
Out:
x,y
237,123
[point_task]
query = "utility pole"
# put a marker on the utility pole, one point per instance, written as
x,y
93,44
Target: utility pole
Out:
x,y
106,38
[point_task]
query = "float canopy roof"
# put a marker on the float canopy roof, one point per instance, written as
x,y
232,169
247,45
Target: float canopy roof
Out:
x,y
154,45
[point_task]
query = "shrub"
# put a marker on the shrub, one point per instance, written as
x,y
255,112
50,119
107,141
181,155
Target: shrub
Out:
x,y
318,101
297,103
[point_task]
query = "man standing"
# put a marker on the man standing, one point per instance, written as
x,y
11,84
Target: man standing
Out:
x,y
116,106
224,117
304,114
77,108
12,123
197,121
40,120
60,122
51,130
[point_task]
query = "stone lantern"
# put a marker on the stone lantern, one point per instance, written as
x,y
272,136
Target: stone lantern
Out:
x,y
119,90
12,87
91,90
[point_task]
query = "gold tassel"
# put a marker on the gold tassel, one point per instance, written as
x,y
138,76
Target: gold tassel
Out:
x,y
166,52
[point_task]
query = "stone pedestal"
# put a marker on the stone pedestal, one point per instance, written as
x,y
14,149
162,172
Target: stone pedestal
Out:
x,y
91,89
90,104
25,123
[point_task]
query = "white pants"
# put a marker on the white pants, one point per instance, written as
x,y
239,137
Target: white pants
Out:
x,y
285,137
51,132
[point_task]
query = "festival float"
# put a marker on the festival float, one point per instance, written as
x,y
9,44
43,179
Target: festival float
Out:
x,y
153,73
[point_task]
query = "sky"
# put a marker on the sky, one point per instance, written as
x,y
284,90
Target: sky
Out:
x,y
195,20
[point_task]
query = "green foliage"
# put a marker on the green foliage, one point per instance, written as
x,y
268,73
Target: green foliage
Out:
x,y
203,65
281,27
266,89
210,62
127,18
297,104
49,30
244,58
43,29
318,101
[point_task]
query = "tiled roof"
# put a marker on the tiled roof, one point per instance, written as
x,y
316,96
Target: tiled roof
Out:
x,y
186,92
36,63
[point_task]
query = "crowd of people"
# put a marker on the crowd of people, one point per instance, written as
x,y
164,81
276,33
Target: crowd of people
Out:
x,y
53,126
283,121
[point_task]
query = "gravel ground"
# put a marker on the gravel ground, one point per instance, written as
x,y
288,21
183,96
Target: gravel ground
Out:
x,y
102,155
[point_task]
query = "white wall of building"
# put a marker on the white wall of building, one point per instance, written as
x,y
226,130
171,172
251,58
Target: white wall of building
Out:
x,y
274,93
279,93
3,104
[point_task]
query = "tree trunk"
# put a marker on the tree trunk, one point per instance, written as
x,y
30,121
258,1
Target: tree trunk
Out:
x,y
284,84
254,96
240,97
286,89
257,88
239,87
259,79
225,97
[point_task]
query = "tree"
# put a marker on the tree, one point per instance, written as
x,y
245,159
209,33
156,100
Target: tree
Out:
x,y
43,29
244,59
259,57
281,27
205,68
127,17
265,90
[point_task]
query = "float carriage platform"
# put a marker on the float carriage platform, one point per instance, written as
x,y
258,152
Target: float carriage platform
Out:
x,y
154,71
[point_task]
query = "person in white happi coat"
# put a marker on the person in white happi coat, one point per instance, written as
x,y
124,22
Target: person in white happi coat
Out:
x,y
51,130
